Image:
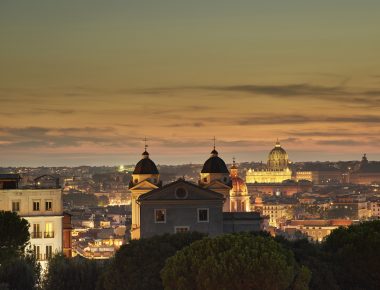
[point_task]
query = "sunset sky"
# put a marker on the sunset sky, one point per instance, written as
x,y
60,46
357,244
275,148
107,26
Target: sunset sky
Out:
x,y
83,82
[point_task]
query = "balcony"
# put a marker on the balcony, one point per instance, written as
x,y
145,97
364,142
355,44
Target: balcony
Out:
x,y
36,235
43,257
48,235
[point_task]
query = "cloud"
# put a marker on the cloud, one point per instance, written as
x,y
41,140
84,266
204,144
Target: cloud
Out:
x,y
291,90
43,137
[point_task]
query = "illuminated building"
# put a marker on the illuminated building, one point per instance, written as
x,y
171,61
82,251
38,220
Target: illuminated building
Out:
x,y
286,188
276,169
277,211
320,173
350,206
314,230
374,207
42,208
145,178
238,198
366,173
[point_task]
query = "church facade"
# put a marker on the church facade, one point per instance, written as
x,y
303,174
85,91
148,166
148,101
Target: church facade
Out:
x,y
276,170
219,203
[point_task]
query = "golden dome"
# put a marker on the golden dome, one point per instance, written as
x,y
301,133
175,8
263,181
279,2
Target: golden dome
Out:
x,y
277,158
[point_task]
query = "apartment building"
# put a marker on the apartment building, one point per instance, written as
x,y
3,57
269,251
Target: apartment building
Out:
x,y
42,208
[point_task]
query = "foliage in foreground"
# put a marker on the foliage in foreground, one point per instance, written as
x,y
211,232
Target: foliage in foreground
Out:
x,y
14,235
354,256
238,261
22,273
137,265
75,273
19,269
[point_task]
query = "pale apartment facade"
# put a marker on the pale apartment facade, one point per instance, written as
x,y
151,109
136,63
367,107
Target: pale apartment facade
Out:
x,y
42,208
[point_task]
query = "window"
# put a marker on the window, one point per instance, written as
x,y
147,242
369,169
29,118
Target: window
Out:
x,y
37,252
160,215
36,234
15,206
205,179
203,215
181,229
49,252
181,193
48,205
36,205
49,233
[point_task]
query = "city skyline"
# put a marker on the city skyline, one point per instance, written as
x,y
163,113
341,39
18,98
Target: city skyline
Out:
x,y
83,86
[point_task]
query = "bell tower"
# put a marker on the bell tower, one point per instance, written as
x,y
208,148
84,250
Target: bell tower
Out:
x,y
145,178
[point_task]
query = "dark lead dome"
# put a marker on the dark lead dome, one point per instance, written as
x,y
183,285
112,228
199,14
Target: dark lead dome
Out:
x,y
145,165
214,164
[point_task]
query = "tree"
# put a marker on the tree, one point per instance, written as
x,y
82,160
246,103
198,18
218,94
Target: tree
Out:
x,y
77,273
18,268
14,235
354,254
311,256
21,273
137,265
237,261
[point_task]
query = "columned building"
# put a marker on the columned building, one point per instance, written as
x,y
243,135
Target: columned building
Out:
x,y
276,170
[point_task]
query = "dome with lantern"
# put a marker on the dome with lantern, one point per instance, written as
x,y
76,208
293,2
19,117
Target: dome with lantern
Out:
x,y
278,158
239,186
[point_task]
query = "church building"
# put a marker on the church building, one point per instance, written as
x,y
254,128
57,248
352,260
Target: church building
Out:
x,y
276,170
218,204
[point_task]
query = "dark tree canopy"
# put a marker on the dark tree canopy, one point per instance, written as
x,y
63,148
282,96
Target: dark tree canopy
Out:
x,y
311,256
137,265
76,273
239,261
22,273
354,254
14,235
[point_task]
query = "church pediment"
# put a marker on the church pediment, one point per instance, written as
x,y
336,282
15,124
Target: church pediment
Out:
x,y
181,190
144,185
216,184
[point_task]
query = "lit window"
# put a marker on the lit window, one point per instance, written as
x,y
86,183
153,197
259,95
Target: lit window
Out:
x,y
15,206
36,205
49,233
160,215
202,215
181,229
48,205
